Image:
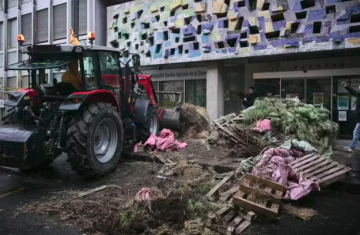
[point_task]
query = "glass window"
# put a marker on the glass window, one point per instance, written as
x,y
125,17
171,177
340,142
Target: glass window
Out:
x,y
25,81
318,92
82,17
1,36
267,87
156,85
44,75
12,58
59,21
293,87
57,76
1,60
109,63
110,67
26,27
42,26
91,70
195,92
170,100
39,64
11,3
12,33
11,83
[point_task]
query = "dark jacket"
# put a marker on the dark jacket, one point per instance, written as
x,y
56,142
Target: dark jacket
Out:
x,y
357,95
250,100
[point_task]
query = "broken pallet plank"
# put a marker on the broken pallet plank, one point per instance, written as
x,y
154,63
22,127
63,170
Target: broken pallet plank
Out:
x,y
266,182
83,194
334,177
215,189
301,159
236,221
321,169
317,161
313,168
246,188
228,217
226,195
326,173
239,200
242,227
305,161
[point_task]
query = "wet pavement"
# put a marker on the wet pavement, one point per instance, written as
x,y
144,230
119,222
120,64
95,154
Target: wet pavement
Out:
x,y
17,190
338,205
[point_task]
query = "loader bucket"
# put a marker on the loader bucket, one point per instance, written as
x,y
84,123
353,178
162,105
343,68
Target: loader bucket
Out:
x,y
170,117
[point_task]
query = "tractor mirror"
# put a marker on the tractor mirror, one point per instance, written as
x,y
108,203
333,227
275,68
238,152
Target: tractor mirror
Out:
x,y
136,61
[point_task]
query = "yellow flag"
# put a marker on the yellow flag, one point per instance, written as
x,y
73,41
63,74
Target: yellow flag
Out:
x,y
73,39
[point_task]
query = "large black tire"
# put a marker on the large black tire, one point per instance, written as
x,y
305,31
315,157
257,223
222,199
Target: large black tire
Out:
x,y
82,136
148,128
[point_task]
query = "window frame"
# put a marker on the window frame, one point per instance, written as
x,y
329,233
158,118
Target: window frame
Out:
x,y
11,33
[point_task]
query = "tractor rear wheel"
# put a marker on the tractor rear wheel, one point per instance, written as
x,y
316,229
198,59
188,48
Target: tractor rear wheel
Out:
x,y
95,140
152,126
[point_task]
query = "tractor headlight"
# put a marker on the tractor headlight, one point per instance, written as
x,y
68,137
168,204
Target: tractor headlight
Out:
x,y
78,49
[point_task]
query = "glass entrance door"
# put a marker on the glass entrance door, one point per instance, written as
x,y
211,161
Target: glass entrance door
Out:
x,y
344,105
293,87
318,92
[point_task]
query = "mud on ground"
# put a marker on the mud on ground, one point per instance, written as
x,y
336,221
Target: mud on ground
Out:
x,y
176,200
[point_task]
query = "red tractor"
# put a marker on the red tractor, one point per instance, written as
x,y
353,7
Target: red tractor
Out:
x,y
90,124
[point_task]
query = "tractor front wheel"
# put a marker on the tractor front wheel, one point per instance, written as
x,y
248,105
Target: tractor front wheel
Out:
x,y
95,140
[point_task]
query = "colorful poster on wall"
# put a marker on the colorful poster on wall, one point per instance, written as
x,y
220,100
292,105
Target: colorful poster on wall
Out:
x,y
343,103
353,103
318,99
342,116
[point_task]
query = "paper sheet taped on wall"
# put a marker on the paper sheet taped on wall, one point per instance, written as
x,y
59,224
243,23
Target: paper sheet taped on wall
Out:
x,y
342,116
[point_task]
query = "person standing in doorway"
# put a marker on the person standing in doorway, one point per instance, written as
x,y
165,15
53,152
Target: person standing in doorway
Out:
x,y
356,133
249,98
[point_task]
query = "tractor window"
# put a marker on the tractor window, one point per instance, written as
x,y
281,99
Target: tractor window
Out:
x,y
110,71
109,64
91,70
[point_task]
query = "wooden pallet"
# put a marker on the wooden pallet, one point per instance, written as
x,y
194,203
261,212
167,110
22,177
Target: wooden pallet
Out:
x,y
320,169
268,206
230,221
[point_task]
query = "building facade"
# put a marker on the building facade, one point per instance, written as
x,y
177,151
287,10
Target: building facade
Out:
x,y
285,48
44,22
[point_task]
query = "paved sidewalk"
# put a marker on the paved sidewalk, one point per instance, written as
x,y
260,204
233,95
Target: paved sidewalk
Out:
x,y
345,143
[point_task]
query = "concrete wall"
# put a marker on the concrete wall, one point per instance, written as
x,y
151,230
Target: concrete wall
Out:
x,y
188,30
214,90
